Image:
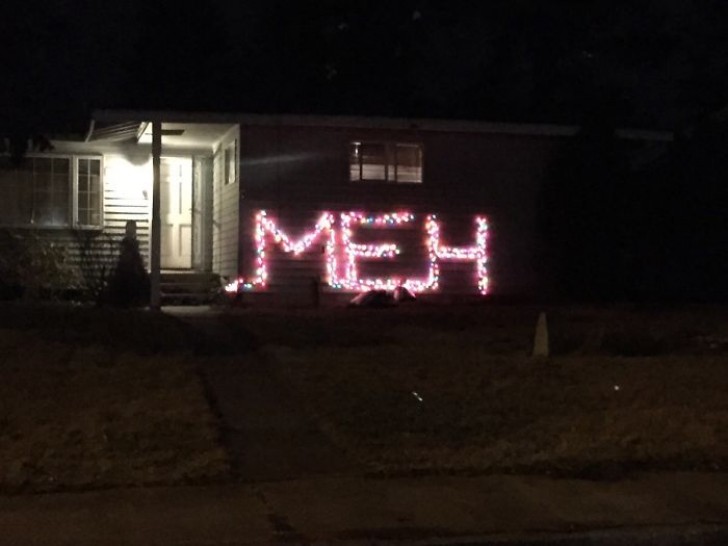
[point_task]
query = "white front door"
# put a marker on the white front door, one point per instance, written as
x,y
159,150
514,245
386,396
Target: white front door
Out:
x,y
176,213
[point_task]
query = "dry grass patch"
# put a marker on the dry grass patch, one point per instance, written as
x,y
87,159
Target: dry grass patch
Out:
x,y
590,416
85,416
626,330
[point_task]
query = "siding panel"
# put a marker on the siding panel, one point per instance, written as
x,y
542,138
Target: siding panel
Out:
x,y
296,173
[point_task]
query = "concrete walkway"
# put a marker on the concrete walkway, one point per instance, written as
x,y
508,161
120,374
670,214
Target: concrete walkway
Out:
x,y
265,429
674,509
266,432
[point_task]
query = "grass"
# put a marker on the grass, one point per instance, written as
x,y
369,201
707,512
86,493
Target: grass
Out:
x,y
103,398
132,330
504,330
628,389
77,416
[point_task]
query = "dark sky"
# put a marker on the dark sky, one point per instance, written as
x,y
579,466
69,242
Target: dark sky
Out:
x,y
649,63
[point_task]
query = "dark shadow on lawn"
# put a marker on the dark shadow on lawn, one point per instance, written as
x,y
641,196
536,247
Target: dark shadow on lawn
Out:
x,y
138,331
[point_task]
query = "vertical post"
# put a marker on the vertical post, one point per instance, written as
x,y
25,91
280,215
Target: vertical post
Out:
x,y
155,259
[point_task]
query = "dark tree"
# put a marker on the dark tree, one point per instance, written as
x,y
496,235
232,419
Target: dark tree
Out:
x,y
694,200
586,215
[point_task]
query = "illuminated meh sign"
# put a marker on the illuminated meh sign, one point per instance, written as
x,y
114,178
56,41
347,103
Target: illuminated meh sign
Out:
x,y
342,254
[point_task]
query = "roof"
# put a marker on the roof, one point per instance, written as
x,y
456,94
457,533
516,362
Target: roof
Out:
x,y
358,122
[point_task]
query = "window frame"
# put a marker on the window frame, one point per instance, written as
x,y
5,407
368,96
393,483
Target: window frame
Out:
x,y
74,193
390,160
72,204
232,148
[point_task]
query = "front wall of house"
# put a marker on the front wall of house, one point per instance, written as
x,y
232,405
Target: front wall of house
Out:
x,y
296,173
126,184
128,195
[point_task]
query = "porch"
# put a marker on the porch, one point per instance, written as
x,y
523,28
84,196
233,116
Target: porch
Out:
x,y
188,175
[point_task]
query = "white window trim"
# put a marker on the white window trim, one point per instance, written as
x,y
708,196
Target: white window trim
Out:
x,y
231,144
74,193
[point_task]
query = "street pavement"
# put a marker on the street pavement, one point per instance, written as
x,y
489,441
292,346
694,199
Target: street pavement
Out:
x,y
665,508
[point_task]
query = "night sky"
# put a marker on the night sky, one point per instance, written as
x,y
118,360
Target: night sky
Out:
x,y
650,63
657,231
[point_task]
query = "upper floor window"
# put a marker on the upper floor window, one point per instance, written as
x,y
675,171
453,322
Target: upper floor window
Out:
x,y
51,191
386,161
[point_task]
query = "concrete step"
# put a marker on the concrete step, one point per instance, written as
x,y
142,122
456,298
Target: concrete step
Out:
x,y
188,276
188,287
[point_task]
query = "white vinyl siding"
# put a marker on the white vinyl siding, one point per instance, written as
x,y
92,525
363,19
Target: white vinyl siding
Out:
x,y
128,196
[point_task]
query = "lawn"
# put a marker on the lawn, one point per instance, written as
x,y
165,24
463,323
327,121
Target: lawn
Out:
x,y
455,390
78,414
132,330
104,398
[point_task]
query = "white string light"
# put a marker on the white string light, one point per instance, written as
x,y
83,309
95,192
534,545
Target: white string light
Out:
x,y
266,228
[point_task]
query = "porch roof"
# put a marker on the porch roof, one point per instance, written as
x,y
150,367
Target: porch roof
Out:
x,y
177,135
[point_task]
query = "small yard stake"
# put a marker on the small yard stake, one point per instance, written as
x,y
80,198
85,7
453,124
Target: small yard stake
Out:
x,y
541,339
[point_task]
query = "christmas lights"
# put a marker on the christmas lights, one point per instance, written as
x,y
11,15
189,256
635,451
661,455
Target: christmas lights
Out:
x,y
351,280
266,229
476,253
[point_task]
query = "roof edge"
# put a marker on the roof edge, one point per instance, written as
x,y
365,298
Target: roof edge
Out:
x,y
361,122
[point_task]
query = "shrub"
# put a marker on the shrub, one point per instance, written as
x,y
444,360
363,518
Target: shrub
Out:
x,y
34,266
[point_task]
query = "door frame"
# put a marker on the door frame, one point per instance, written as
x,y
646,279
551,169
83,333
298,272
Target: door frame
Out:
x,y
202,212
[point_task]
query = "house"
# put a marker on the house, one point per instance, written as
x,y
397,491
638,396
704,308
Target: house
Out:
x,y
280,205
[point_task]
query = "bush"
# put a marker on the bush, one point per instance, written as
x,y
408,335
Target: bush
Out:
x,y
97,253
34,267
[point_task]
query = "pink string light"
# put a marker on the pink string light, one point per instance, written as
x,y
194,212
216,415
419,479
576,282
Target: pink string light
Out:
x,y
265,229
476,253
353,251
